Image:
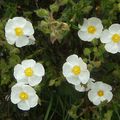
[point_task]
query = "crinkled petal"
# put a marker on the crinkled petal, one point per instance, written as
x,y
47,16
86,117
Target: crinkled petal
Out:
x,y
28,63
80,88
22,41
98,32
15,94
105,87
84,76
112,47
85,36
28,29
108,96
73,60
82,64
28,89
96,101
33,100
105,36
114,28
84,26
38,69
23,105
19,73
19,21
93,97
9,26
73,80
11,38
67,69
90,83
34,80
31,40
94,21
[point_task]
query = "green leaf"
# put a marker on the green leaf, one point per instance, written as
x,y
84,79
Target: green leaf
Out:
x,y
42,13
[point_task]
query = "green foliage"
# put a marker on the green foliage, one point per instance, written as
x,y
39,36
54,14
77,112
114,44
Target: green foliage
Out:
x,y
56,21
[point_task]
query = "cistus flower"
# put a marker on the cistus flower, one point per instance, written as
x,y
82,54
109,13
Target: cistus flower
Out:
x,y
90,29
111,38
75,70
85,87
29,72
100,92
24,96
18,31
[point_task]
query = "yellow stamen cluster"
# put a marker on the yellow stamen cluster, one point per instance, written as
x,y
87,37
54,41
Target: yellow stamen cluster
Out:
x,y
116,38
28,72
23,96
76,70
91,29
100,93
18,31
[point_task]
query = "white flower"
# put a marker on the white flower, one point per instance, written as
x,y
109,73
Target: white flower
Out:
x,y
90,29
18,30
111,38
24,96
100,92
75,70
85,87
29,72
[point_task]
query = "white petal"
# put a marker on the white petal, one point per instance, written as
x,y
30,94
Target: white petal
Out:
x,y
11,39
96,101
73,59
28,63
84,26
98,33
114,28
28,29
34,80
112,47
33,100
19,73
14,98
90,83
82,64
85,36
84,76
80,88
94,21
15,94
99,27
19,21
108,96
106,87
97,85
105,36
67,69
31,40
73,80
38,69
9,26
22,41
23,105
28,89
91,95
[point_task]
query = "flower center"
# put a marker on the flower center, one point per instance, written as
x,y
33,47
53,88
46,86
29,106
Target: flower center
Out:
x,y
100,93
19,31
91,29
28,72
23,96
116,38
76,70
